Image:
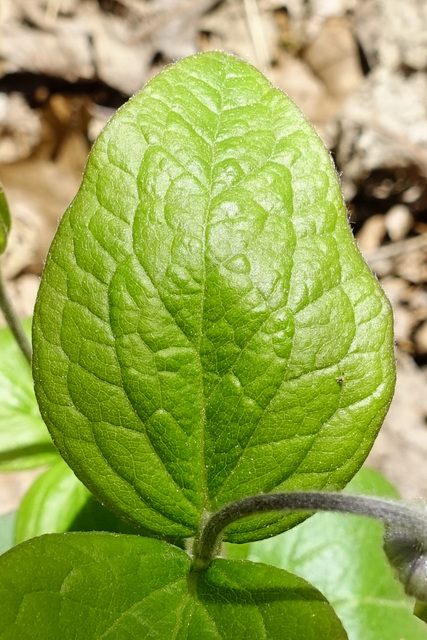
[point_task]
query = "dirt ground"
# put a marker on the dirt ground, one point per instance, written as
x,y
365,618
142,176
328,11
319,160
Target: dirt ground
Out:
x,y
356,68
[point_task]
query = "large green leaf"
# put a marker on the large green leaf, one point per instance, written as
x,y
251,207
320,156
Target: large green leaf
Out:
x,y
4,220
206,328
57,502
99,585
24,440
343,557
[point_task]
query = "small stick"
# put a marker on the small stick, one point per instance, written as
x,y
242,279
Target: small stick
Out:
x,y
257,34
13,321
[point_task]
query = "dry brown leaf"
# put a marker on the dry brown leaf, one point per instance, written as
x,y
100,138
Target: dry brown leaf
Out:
x,y
20,128
79,40
393,33
334,58
382,125
295,77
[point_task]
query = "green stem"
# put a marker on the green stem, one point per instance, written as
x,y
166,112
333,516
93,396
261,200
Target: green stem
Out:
x,y
13,321
402,517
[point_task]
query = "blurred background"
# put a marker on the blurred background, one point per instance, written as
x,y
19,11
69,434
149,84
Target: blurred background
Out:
x,y
356,68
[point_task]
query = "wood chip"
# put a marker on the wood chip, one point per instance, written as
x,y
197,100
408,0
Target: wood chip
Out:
x,y
372,233
398,222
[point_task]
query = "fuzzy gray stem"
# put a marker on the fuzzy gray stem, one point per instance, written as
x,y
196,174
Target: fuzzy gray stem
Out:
x,y
391,513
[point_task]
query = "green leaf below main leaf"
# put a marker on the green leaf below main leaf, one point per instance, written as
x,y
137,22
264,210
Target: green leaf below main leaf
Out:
x,y
206,328
24,440
116,587
57,502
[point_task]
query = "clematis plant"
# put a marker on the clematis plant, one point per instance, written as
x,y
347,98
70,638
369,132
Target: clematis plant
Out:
x,y
213,360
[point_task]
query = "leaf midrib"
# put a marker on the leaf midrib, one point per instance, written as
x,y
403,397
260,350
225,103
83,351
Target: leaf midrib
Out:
x,y
205,498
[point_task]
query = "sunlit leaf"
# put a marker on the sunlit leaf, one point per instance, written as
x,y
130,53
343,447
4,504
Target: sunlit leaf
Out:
x,y
206,328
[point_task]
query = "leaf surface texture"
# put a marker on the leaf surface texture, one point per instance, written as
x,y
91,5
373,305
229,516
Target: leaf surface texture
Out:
x,y
206,328
100,586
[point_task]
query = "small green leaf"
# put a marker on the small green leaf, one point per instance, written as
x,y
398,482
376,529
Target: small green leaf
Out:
x,y
343,557
4,220
95,517
51,504
24,440
206,328
57,502
7,527
99,585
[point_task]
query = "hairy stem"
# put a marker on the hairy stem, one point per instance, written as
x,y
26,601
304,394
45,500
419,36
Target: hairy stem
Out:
x,y
400,516
13,321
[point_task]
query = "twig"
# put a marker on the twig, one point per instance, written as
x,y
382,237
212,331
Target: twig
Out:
x,y
257,34
397,248
13,321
